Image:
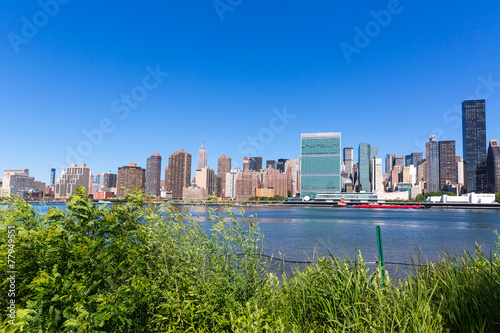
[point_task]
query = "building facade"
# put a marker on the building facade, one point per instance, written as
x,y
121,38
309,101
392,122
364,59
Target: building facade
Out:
x,y
153,175
179,172
202,156
366,153
493,163
320,164
348,160
72,177
256,163
474,144
377,181
205,178
223,167
130,177
432,157
447,164
280,182
246,183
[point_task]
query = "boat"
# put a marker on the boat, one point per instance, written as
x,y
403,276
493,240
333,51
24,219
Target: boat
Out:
x,y
341,203
104,202
388,206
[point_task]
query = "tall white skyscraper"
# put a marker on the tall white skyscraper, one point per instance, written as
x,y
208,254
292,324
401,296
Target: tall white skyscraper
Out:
x,y
202,155
348,160
377,183
231,176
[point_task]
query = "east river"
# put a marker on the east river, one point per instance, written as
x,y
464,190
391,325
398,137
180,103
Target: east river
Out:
x,y
304,233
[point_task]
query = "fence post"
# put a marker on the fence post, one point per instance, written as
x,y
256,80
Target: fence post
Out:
x,y
380,254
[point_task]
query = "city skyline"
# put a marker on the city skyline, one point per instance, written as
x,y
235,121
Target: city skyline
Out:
x,y
253,79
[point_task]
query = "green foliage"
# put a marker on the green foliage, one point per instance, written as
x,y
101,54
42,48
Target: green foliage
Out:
x,y
438,194
146,268
275,198
420,198
497,197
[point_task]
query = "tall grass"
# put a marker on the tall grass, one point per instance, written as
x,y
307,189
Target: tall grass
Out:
x,y
140,268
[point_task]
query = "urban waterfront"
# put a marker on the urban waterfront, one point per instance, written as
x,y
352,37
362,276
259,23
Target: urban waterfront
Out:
x,y
304,233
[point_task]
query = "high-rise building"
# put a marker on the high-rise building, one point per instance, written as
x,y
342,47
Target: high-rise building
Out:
x,y
246,164
422,170
97,179
108,179
52,176
432,156
415,158
348,160
280,182
202,155
280,166
223,167
130,177
293,168
179,167
320,164
447,164
231,176
460,170
72,177
366,153
256,164
271,163
474,144
407,160
205,178
153,175
167,177
493,163
376,179
389,162
246,183
399,161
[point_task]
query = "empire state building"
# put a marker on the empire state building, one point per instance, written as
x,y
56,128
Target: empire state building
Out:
x,y
202,155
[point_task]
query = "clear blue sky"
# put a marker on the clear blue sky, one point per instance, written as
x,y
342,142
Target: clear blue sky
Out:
x,y
228,68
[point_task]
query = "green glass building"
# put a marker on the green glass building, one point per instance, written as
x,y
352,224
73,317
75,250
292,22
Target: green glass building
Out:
x,y
320,164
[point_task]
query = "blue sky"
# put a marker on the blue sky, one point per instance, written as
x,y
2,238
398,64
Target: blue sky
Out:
x,y
234,69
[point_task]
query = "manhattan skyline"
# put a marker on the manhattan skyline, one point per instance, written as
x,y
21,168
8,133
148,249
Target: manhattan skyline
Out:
x,y
232,75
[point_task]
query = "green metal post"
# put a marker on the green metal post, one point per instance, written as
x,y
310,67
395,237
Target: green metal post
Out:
x,y
380,254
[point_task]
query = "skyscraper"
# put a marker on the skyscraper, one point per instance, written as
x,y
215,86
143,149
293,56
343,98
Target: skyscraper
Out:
x,y
399,161
108,179
348,160
366,153
153,175
432,154
202,155
52,176
271,163
280,166
320,164
474,144
130,177
167,177
257,163
493,167
415,158
389,162
179,167
223,167
376,178
447,164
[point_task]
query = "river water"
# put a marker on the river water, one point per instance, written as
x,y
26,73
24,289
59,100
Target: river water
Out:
x,y
304,233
